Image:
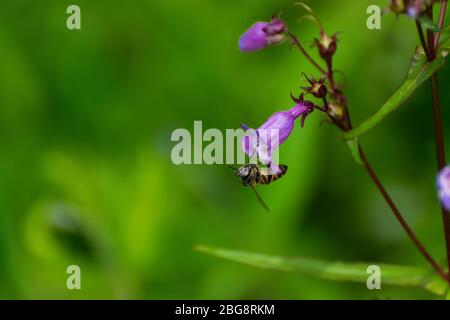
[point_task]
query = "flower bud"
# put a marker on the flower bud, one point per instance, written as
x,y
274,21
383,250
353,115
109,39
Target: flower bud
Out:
x,y
443,187
414,9
339,97
262,34
317,88
327,45
398,6
336,111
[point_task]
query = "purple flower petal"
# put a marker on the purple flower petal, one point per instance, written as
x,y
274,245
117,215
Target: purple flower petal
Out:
x,y
262,34
274,132
443,186
276,26
254,38
250,142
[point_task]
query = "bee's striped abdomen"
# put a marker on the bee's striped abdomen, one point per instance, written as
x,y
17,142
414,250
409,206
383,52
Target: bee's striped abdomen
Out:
x,y
266,175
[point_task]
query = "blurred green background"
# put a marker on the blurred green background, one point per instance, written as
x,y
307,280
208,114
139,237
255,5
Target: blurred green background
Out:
x,y
86,176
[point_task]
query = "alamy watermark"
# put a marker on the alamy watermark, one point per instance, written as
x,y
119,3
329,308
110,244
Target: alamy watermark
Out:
x,y
374,20
73,22
374,280
231,146
74,279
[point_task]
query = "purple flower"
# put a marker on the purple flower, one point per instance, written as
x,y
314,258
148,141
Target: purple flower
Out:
x,y
275,131
415,8
262,34
443,186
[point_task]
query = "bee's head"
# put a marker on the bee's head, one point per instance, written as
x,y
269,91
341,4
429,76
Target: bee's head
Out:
x,y
243,172
246,174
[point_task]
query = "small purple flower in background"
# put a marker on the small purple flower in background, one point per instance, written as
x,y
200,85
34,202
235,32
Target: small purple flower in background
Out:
x,y
275,131
262,34
414,9
443,186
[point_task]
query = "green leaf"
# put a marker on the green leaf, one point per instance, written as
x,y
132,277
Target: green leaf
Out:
x,y
419,72
444,45
428,23
445,34
353,144
396,275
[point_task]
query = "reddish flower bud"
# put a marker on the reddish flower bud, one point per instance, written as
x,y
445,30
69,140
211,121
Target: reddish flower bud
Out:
x,y
318,88
327,45
336,111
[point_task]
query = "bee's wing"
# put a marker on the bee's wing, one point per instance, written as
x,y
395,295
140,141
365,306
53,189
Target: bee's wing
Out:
x,y
260,154
261,201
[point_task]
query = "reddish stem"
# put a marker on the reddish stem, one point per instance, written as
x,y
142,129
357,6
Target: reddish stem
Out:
x,y
400,218
433,43
440,23
297,43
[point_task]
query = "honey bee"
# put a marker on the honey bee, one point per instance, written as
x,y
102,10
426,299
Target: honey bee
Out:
x,y
252,175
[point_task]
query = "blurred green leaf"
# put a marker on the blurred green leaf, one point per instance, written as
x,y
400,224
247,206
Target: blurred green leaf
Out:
x,y
419,72
429,24
444,45
445,34
396,275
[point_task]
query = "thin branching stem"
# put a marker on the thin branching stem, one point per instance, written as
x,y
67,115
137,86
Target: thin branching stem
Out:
x,y
433,43
430,35
399,216
298,44
330,73
388,198
440,153
440,23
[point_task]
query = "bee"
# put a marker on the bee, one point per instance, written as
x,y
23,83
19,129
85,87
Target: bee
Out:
x,y
252,175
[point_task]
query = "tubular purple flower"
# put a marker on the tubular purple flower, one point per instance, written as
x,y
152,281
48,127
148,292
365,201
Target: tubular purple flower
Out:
x,y
262,34
275,131
443,186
